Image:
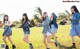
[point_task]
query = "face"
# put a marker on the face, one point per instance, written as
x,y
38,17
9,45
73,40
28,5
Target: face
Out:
x,y
23,17
44,15
51,17
5,17
72,10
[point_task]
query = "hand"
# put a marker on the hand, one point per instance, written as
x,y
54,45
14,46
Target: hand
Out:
x,y
12,25
20,26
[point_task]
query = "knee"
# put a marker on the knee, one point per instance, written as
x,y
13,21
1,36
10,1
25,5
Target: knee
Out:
x,y
25,39
44,40
48,41
4,38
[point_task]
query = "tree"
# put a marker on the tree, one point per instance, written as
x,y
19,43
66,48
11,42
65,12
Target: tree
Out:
x,y
62,16
36,19
39,11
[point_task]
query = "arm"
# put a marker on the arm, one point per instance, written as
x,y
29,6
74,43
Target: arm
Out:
x,y
77,17
67,12
29,23
46,22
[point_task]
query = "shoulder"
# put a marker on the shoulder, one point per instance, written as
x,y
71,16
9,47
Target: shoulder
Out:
x,y
47,17
76,13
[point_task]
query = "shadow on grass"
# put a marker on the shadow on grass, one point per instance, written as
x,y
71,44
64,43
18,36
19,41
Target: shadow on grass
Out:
x,y
64,47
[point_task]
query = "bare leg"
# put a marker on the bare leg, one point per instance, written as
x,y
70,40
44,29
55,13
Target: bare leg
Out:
x,y
72,39
26,39
54,36
56,42
73,42
10,40
48,39
44,40
4,39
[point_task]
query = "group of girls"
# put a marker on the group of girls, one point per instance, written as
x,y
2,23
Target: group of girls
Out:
x,y
50,27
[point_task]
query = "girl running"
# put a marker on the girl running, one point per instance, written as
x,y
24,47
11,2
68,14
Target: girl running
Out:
x,y
75,26
25,26
7,32
54,27
46,29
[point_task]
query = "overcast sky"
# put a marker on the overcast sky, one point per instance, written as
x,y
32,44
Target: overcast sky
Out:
x,y
15,8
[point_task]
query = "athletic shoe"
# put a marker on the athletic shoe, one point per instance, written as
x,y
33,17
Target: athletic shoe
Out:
x,y
73,46
6,47
31,46
13,46
57,44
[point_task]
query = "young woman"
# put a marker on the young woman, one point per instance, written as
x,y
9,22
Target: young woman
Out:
x,y
54,27
7,32
46,29
25,23
75,26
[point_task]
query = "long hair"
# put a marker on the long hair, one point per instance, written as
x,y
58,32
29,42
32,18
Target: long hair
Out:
x,y
54,15
75,8
54,20
26,18
4,18
43,18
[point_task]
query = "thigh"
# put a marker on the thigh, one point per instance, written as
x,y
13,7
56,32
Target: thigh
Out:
x,y
48,38
4,37
44,36
26,36
8,37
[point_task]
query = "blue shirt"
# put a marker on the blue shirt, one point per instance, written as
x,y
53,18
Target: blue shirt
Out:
x,y
75,18
53,22
25,26
46,22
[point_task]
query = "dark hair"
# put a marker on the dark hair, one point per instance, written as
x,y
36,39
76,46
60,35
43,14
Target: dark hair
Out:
x,y
43,18
54,15
4,18
26,17
45,13
75,8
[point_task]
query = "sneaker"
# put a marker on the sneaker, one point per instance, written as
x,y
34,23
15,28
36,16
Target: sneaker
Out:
x,y
57,44
31,47
6,47
13,46
73,46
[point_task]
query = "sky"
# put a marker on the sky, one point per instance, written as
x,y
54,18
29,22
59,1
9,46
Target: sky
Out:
x,y
15,8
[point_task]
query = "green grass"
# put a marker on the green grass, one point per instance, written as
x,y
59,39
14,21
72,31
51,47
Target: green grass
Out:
x,y
36,38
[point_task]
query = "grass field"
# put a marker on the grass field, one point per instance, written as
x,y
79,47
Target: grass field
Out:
x,y
36,38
